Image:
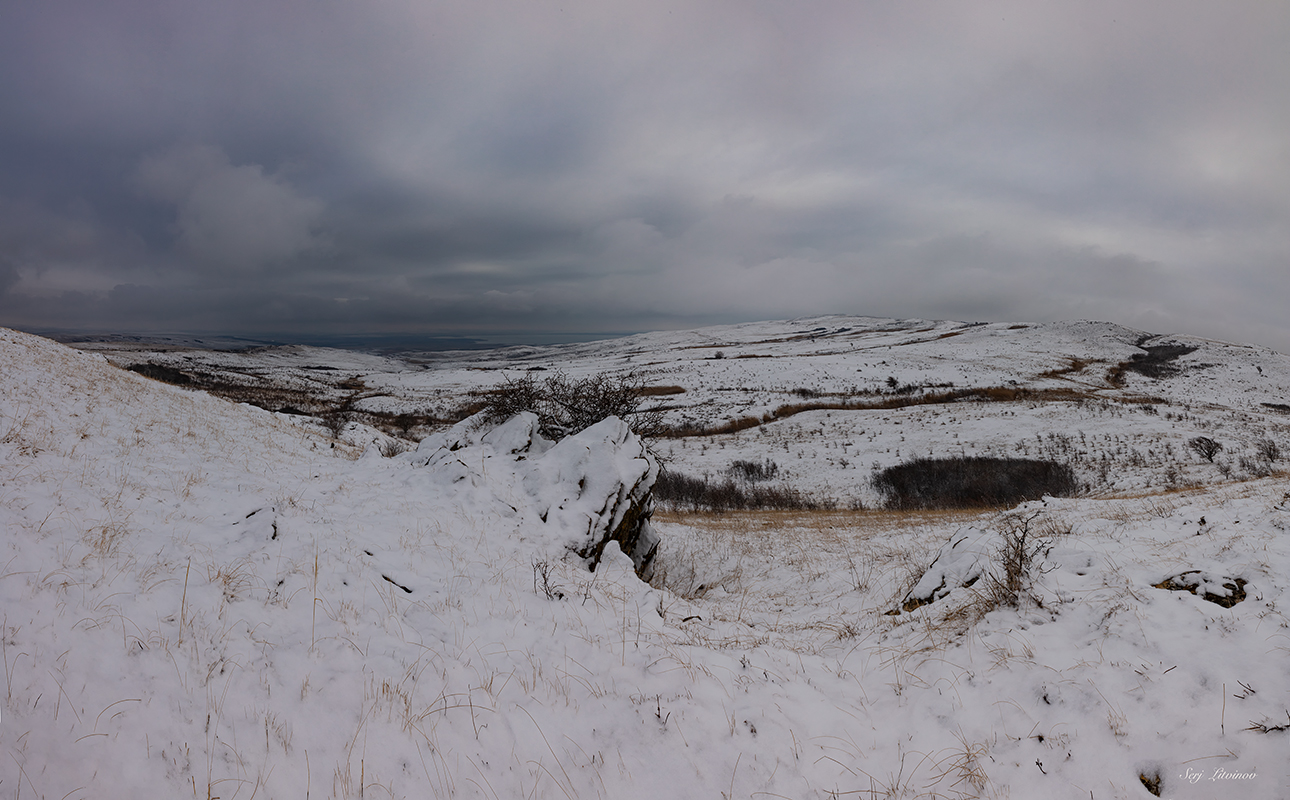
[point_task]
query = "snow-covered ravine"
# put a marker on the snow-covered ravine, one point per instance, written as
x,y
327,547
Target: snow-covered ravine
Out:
x,y
210,600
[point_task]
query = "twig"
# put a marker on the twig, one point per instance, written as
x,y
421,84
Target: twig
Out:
x,y
183,602
733,772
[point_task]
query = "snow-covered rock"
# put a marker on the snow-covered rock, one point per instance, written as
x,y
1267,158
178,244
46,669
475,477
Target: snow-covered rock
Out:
x,y
589,489
595,488
960,563
1218,589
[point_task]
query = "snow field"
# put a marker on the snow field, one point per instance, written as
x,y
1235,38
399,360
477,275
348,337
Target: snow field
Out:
x,y
1107,679
204,599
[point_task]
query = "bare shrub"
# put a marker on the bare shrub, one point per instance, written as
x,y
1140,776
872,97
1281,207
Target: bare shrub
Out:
x,y
754,470
1204,447
1267,450
1022,547
543,581
160,372
405,422
675,490
514,396
392,447
1255,467
564,405
336,421
972,482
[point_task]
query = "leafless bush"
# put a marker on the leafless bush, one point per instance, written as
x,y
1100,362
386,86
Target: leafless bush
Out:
x,y
1008,584
543,583
1204,447
392,447
702,494
972,482
1267,450
336,421
754,470
1255,467
160,372
564,405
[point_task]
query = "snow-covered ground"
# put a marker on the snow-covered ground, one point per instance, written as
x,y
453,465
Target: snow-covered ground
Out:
x,y
206,599
1125,435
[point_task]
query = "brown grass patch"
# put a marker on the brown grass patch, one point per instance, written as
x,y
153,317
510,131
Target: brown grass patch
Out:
x,y
1073,365
991,394
870,521
660,391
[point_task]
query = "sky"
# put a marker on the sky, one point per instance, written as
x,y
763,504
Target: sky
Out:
x,y
352,167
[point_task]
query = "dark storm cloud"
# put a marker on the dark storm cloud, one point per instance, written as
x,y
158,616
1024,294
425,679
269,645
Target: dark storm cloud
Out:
x,y
285,165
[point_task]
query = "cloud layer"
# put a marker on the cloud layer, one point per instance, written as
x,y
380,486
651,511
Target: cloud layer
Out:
x,y
229,217
291,166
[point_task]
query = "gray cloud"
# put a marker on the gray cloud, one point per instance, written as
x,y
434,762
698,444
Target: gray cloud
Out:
x,y
230,216
300,166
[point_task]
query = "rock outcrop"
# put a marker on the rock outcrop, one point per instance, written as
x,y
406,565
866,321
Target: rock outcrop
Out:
x,y
585,491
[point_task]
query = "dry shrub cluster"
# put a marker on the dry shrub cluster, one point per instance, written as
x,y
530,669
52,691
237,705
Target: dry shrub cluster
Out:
x,y
334,404
676,491
1021,549
754,470
1155,361
565,405
973,482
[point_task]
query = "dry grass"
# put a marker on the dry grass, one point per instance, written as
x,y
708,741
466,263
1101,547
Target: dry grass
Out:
x,y
868,521
955,773
991,394
1073,365
737,568
660,391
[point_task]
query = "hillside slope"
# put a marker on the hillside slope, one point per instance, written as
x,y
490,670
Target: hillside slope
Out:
x,y
207,599
833,400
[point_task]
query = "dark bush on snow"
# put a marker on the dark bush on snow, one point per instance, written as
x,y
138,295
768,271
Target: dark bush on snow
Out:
x,y
972,482
159,372
674,490
1205,447
754,470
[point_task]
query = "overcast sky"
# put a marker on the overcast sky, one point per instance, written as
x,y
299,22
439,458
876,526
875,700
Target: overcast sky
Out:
x,y
354,166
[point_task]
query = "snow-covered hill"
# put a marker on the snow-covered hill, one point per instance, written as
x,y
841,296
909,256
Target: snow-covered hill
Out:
x,y
1116,403
207,599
